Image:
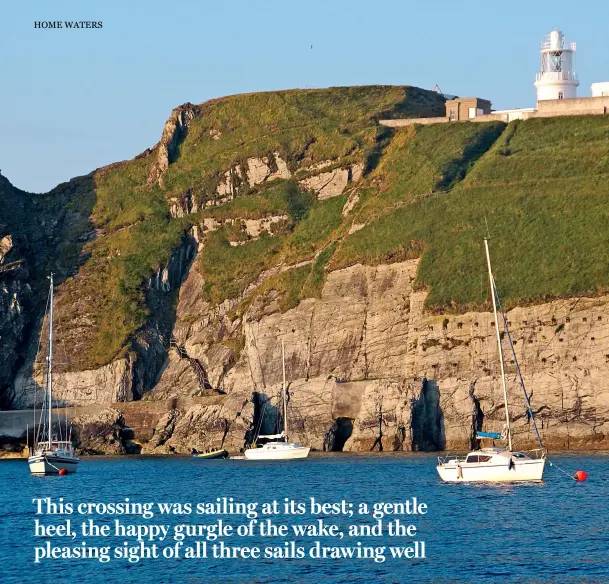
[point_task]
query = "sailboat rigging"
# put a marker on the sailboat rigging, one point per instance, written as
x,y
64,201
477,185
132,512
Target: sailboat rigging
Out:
x,y
279,447
51,455
497,464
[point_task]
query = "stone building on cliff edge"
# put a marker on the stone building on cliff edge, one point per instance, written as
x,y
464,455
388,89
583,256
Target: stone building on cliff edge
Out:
x,y
556,84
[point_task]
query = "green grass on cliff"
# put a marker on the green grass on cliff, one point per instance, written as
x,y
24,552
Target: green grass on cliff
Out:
x,y
289,287
541,185
542,188
546,149
315,230
303,126
230,269
105,303
421,160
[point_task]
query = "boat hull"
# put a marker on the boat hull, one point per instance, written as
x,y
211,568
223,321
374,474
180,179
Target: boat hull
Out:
x,y
519,471
285,453
48,465
211,455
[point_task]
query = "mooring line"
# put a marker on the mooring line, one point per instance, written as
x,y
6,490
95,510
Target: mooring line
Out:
x,y
561,470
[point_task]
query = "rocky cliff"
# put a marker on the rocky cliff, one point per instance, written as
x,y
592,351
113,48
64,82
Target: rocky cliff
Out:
x,y
370,369
293,216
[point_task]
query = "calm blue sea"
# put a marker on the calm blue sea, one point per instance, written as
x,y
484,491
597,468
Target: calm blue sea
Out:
x,y
557,531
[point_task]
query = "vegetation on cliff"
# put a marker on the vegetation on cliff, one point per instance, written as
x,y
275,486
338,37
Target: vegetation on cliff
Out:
x,y
115,229
426,191
542,191
303,127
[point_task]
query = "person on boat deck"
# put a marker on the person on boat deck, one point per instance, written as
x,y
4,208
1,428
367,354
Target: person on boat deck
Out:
x,y
194,451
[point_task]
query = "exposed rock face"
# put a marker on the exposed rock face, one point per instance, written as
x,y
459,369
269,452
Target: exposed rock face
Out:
x,y
15,294
333,183
350,204
100,432
369,369
170,277
222,424
562,352
182,206
256,171
260,170
252,227
98,386
6,244
425,382
38,234
174,132
384,421
126,378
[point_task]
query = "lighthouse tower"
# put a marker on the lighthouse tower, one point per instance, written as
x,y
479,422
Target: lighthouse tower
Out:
x,y
557,79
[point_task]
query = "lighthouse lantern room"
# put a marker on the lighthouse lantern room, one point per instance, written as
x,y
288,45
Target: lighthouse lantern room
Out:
x,y
557,79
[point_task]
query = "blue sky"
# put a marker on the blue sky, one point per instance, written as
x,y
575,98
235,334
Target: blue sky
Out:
x,y
75,100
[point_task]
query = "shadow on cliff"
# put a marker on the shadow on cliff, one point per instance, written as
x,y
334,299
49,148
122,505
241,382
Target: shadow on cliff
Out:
x,y
151,344
428,432
267,418
50,232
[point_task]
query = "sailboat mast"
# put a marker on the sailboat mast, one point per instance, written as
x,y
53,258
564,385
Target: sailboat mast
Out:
x,y
284,394
50,364
505,398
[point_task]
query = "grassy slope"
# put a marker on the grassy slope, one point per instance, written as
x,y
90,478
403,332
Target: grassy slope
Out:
x,y
542,188
303,126
540,184
104,305
421,160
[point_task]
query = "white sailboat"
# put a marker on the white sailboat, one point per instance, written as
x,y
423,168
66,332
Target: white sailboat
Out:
x,y
278,447
496,464
51,454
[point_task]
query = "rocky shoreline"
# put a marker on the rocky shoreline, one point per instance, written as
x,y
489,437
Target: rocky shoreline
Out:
x,y
369,370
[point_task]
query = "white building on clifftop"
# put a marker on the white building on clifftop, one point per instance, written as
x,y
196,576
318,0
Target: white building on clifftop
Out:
x,y
557,78
556,86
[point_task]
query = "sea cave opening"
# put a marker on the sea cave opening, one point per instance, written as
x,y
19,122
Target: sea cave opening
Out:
x,y
342,432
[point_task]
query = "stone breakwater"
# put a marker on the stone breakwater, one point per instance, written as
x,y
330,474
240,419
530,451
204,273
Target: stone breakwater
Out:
x,y
369,369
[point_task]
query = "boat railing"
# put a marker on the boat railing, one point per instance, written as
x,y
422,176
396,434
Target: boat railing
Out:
x,y
536,453
451,458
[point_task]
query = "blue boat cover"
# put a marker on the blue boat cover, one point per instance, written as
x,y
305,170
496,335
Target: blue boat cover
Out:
x,y
494,435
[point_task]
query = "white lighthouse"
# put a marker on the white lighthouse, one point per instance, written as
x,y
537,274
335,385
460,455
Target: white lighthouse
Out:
x,y
557,79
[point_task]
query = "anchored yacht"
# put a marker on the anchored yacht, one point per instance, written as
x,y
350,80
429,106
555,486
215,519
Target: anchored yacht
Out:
x,y
51,455
497,464
278,447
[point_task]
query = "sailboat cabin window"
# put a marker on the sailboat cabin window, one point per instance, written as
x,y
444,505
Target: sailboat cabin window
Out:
x,y
478,458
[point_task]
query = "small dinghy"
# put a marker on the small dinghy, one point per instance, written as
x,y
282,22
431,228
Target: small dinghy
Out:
x,y
210,453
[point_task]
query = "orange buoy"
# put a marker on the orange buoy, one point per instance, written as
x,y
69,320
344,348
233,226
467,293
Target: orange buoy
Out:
x,y
64,471
581,475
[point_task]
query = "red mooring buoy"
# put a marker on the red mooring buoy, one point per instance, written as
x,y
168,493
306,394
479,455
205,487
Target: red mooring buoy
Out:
x,y
581,475
64,471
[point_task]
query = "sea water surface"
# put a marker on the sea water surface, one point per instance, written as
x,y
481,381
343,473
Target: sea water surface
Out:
x,y
556,531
